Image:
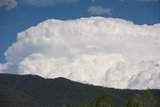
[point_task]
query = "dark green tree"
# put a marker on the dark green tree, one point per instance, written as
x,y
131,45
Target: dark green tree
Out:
x,y
144,99
104,101
132,103
69,105
147,98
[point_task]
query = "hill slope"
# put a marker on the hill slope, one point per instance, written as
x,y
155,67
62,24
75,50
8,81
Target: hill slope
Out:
x,y
37,91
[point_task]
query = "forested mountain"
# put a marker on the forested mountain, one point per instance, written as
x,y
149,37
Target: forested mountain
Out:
x,y
35,91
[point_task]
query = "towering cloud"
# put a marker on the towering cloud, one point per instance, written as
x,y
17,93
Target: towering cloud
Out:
x,y
101,51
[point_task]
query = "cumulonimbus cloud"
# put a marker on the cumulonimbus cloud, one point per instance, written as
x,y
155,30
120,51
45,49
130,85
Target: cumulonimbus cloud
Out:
x,y
108,52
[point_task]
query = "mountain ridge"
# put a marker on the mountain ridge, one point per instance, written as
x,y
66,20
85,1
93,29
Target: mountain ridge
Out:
x,y
60,91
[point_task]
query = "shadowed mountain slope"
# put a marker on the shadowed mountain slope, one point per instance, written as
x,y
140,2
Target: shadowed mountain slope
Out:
x,y
31,90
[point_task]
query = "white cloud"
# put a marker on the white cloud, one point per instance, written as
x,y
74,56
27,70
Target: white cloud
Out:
x,y
8,4
5,67
48,2
148,75
98,10
109,52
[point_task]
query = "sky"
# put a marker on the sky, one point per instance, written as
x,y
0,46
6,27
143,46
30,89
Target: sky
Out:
x,y
18,15
112,43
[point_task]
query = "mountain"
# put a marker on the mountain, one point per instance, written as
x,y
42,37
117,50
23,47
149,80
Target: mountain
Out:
x,y
35,91
14,98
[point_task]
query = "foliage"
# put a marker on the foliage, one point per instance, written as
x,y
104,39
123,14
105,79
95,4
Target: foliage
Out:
x,y
40,92
133,103
144,99
69,105
104,101
147,98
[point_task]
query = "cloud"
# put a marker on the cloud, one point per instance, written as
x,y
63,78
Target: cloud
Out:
x,y
5,67
98,10
8,4
48,2
108,52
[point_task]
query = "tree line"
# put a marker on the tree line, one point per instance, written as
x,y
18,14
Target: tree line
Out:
x,y
144,99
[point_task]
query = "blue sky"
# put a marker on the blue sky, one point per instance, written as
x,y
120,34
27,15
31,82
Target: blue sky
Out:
x,y
22,14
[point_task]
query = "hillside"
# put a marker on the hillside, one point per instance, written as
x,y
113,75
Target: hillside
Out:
x,y
31,90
